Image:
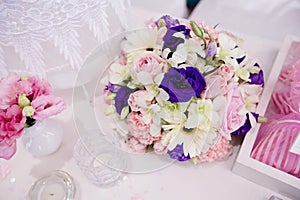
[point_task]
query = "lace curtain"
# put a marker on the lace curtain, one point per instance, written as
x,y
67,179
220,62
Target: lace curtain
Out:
x,y
51,38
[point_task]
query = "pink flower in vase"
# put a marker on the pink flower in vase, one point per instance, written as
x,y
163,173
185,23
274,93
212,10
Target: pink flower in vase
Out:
x,y
11,126
39,87
46,106
10,88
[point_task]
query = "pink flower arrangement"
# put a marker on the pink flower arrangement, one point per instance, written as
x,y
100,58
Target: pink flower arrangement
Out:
x,y
183,89
23,101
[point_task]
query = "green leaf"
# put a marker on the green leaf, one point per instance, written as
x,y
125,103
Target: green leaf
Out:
x,y
124,112
29,122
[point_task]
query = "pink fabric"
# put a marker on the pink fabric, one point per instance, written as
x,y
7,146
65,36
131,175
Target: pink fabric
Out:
x,y
276,137
273,148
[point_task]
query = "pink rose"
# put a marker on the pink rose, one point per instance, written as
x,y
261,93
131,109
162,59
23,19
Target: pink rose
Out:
x,y
39,87
216,85
138,128
234,117
138,99
136,146
10,88
226,71
46,106
11,126
148,62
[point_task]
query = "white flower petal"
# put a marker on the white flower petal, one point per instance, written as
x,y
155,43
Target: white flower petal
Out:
x,y
144,78
226,42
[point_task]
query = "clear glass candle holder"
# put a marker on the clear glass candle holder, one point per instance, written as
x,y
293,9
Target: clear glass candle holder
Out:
x,y
58,185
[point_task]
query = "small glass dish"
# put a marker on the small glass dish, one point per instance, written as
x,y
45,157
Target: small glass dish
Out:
x,y
58,185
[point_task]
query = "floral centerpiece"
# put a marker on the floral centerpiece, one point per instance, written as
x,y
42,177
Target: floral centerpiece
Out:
x,y
23,101
183,89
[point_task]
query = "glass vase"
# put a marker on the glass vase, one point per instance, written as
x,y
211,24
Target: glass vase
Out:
x,y
43,138
98,159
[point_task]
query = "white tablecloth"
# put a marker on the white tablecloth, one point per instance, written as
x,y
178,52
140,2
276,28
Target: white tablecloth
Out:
x,y
212,181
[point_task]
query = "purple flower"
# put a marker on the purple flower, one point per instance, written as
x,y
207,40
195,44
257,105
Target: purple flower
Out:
x,y
257,79
169,21
211,49
171,41
177,153
182,84
121,99
112,87
246,127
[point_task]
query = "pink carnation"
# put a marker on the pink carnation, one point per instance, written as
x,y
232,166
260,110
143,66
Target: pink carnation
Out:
x,y
220,151
136,146
39,87
10,88
11,126
46,106
138,99
139,129
159,148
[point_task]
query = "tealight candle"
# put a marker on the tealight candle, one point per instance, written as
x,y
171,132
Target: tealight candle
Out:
x,y
54,191
58,185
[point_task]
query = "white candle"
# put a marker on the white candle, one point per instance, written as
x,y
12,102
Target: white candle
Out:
x,y
54,191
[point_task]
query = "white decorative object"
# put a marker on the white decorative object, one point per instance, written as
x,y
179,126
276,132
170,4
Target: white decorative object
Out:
x,y
51,38
43,138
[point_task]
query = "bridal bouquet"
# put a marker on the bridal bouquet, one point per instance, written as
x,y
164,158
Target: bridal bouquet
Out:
x,y
23,101
183,89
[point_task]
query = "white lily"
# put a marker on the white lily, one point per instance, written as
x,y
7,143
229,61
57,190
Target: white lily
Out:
x,y
141,40
228,50
118,73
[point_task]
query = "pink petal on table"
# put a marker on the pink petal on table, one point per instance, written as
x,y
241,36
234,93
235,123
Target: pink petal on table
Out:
x,y
4,171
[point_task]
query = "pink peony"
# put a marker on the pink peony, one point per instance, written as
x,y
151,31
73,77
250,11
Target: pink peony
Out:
x,y
139,129
148,62
226,71
138,99
39,87
10,88
11,126
216,85
136,146
46,106
233,118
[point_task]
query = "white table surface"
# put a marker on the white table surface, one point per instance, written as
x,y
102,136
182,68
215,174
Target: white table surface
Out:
x,y
211,181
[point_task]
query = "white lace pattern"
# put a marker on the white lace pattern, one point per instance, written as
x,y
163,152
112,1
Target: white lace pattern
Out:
x,y
40,36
